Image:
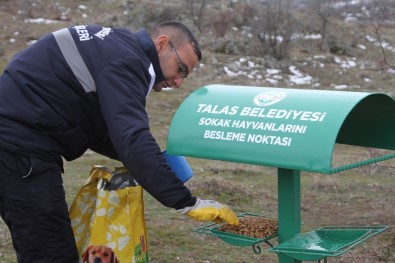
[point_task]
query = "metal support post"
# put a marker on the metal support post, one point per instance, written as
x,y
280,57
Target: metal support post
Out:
x,y
289,218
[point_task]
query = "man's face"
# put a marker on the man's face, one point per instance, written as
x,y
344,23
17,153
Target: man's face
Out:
x,y
176,64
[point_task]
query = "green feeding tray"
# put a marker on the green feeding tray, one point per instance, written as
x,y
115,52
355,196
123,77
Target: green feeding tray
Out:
x,y
326,242
235,239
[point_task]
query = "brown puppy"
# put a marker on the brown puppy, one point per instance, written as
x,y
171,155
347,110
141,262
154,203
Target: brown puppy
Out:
x,y
99,254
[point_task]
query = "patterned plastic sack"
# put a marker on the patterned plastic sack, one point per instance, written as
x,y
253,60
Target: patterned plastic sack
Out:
x,y
107,217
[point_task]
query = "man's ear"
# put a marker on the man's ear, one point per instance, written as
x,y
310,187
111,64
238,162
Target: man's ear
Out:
x,y
161,42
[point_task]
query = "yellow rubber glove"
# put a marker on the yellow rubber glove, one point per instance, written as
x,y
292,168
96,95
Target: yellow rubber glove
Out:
x,y
210,210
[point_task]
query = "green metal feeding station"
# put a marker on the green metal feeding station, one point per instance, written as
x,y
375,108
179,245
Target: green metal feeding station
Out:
x,y
291,129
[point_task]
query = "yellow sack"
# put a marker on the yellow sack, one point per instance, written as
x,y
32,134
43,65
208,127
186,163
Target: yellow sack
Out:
x,y
109,221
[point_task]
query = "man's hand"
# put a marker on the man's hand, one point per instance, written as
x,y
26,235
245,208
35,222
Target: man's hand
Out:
x,y
210,210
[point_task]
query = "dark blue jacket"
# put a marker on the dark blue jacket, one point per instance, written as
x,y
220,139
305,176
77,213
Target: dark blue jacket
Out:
x,y
82,88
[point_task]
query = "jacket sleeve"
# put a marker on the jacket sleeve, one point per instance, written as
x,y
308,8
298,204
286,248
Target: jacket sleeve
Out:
x,y
105,147
122,87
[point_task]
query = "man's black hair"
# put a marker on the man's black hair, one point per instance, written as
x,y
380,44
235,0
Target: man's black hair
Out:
x,y
185,32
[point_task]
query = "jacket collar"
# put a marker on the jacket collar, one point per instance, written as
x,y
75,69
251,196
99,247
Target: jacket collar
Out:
x,y
149,47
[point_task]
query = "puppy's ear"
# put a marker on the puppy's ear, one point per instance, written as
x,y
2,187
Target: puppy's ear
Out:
x,y
114,258
85,255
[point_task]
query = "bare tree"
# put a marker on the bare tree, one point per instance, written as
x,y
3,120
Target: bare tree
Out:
x,y
274,25
196,9
324,10
375,22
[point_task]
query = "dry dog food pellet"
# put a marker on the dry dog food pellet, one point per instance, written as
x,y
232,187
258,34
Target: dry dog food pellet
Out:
x,y
253,226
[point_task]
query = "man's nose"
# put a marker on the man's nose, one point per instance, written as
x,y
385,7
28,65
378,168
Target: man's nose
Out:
x,y
178,81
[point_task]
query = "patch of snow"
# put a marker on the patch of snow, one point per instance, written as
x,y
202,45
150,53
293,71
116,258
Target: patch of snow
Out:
x,y
313,36
279,39
31,42
229,72
272,81
298,78
251,64
273,76
370,38
244,67
391,71
259,76
273,71
387,46
350,18
340,86
344,86
384,44
308,36
348,63
361,46
167,88
40,21
347,3
246,31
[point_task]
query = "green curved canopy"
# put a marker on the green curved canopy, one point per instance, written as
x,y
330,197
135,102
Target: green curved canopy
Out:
x,y
280,127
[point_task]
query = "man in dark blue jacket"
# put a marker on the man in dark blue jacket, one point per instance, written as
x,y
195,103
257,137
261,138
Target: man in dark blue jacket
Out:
x,y
80,88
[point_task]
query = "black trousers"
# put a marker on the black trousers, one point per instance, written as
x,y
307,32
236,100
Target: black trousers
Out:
x,y
33,205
